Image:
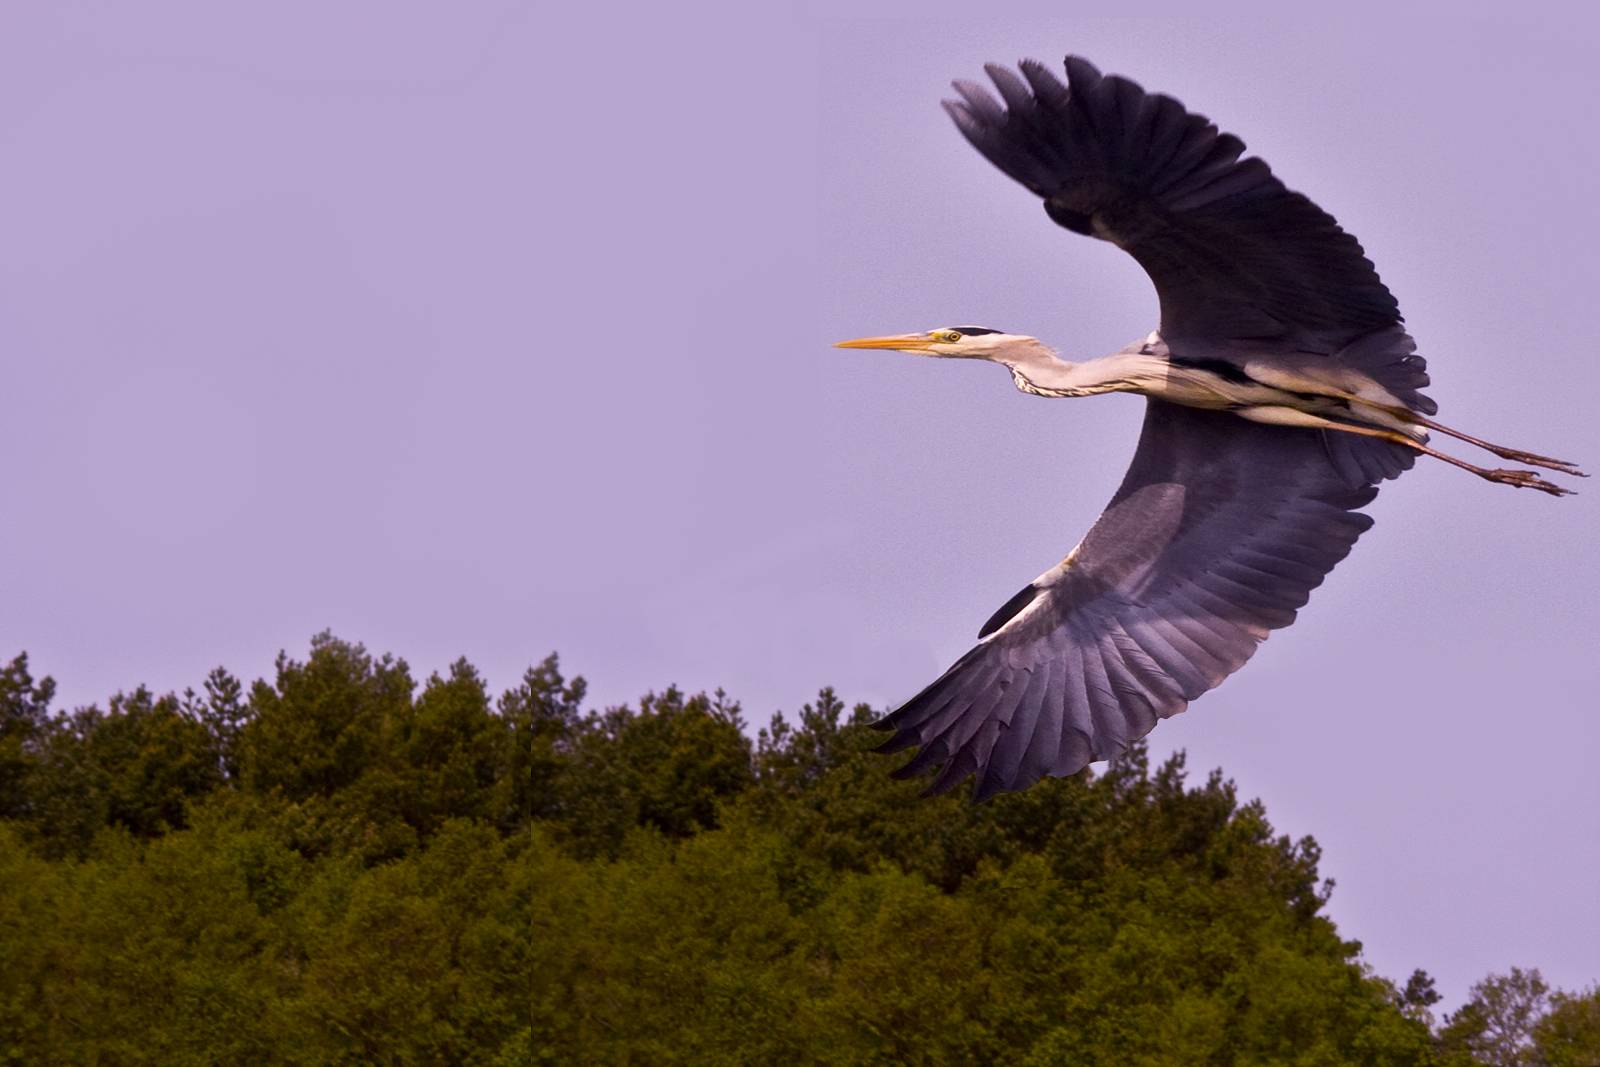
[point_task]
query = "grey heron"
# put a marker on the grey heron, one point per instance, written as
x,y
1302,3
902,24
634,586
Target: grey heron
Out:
x,y
1282,388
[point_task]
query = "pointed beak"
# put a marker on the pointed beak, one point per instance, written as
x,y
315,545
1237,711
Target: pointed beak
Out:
x,y
904,342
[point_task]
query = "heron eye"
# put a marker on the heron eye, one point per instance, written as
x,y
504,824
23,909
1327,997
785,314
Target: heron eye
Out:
x,y
950,337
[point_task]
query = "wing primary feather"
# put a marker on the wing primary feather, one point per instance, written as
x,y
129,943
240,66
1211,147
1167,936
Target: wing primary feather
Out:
x,y
1081,74
930,755
1012,89
914,708
1258,588
1196,652
983,688
963,763
983,106
1045,744
1279,567
1097,685
1191,683
1139,664
1000,766
1161,702
1219,614
1047,89
1108,723
968,718
1075,740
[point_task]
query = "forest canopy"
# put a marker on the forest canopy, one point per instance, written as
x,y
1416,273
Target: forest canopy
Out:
x,y
339,865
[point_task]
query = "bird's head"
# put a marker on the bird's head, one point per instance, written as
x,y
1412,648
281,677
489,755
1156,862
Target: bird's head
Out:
x,y
956,342
964,343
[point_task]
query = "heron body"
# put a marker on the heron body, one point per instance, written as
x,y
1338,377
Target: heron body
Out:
x,y
1283,388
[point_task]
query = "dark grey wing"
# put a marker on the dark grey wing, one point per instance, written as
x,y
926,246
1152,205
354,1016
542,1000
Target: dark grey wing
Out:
x,y
1242,265
1234,255
1217,536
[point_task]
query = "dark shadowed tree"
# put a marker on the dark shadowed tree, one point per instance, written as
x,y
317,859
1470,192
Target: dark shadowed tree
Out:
x,y
67,793
1418,996
667,766
223,712
24,724
541,717
136,765
322,745
685,756
389,878
152,759
451,750
323,724
1419,991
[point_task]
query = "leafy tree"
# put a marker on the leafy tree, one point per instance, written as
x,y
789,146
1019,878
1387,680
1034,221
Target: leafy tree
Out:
x,y
67,796
683,757
223,713
1419,992
452,750
1496,1024
136,765
1569,1033
668,766
790,760
321,746
542,719
325,722
24,724
340,868
152,760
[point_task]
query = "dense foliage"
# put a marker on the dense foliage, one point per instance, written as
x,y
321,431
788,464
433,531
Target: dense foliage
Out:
x,y
337,866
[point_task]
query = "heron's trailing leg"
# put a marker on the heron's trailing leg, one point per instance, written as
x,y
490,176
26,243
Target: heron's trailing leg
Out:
x,y
1287,416
1516,455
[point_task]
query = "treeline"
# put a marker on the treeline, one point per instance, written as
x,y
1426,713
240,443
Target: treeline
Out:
x,y
340,866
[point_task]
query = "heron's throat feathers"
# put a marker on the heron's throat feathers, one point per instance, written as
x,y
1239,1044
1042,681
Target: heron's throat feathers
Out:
x,y
1035,388
1046,374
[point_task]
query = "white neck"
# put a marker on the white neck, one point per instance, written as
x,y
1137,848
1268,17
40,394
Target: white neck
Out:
x,y
1036,369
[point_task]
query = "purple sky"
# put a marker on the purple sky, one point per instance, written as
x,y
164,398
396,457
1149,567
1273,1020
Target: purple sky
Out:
x,y
487,330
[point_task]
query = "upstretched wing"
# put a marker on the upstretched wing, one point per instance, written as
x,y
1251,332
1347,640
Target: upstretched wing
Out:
x,y
1234,255
1218,534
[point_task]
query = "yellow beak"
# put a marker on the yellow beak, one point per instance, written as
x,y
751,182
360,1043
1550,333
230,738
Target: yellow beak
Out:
x,y
905,342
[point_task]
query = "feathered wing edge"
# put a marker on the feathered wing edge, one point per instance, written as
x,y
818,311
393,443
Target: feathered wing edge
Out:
x,y
1241,263
1231,250
1388,357
1104,651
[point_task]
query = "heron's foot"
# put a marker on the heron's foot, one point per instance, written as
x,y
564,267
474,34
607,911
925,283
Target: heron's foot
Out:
x,y
1526,480
1533,459
1515,455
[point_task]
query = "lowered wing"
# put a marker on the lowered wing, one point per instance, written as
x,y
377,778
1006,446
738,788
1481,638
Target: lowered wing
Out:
x,y
1217,536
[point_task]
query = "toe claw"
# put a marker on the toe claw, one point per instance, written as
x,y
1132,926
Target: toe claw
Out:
x,y
1528,480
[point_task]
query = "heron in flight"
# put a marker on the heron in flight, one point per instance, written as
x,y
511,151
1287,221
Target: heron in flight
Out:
x,y
1282,389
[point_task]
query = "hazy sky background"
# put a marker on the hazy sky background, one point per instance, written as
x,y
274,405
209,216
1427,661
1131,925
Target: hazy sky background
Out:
x,y
493,328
